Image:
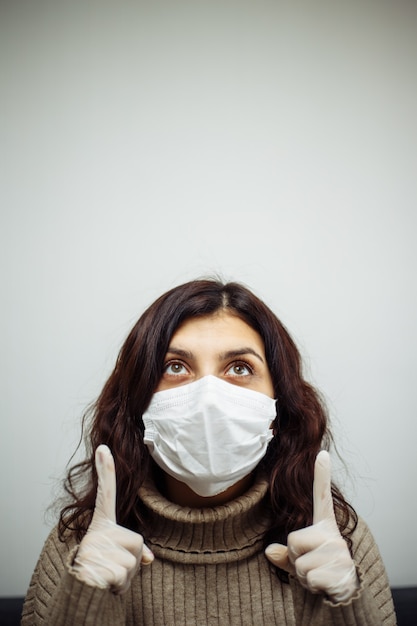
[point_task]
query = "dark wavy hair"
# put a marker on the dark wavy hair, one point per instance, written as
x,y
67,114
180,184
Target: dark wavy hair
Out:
x,y
301,425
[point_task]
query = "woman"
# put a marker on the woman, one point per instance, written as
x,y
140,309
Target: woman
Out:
x,y
206,496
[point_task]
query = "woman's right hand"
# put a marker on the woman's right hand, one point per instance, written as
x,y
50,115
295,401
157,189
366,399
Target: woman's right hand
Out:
x,y
109,555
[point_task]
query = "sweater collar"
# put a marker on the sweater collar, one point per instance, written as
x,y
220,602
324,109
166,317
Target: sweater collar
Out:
x,y
225,533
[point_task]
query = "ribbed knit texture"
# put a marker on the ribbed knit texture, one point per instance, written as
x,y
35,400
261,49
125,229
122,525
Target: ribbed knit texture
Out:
x,y
209,570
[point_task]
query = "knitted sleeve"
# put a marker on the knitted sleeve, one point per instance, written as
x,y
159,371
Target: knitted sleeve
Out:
x,y
371,605
56,597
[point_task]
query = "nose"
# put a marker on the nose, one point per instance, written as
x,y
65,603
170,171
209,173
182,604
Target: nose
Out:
x,y
207,367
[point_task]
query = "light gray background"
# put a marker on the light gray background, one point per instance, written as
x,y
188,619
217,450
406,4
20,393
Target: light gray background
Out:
x,y
148,143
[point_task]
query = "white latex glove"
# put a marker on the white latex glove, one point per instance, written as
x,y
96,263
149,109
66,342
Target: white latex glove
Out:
x,y
109,555
318,555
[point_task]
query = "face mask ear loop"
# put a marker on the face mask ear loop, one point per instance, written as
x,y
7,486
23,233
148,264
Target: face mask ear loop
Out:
x,y
282,419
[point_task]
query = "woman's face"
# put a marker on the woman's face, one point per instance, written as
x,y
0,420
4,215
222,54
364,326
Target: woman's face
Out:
x,y
222,345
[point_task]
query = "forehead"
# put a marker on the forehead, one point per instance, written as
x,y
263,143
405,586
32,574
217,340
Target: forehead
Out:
x,y
218,328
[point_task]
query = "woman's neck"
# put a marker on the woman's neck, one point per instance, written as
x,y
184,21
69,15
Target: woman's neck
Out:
x,y
179,493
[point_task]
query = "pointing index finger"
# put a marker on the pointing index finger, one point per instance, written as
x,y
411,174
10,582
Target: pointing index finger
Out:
x,y
106,487
322,492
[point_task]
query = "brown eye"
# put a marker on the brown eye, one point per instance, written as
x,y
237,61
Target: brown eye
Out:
x,y
239,369
175,368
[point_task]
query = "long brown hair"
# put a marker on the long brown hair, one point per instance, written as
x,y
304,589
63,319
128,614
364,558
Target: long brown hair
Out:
x,y
301,425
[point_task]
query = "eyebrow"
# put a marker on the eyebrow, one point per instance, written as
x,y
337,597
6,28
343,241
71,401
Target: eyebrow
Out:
x,y
241,352
230,354
185,354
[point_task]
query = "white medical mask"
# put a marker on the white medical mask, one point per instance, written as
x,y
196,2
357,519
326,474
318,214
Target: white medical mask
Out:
x,y
208,434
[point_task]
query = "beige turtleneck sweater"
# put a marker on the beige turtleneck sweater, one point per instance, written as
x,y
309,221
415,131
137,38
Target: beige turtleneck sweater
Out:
x,y
209,569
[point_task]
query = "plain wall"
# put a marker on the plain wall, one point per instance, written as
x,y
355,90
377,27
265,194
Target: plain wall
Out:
x,y
144,144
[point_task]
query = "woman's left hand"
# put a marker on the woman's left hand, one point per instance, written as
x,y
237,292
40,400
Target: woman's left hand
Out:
x,y
318,555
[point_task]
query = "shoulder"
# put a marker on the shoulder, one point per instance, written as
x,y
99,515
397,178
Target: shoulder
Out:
x,y
45,579
362,537
55,553
366,553
61,544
